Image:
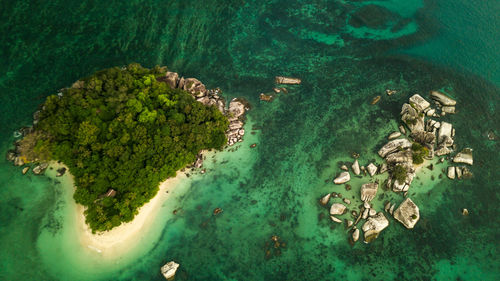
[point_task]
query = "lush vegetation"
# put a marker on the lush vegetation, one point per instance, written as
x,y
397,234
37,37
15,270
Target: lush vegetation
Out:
x,y
122,129
419,152
399,173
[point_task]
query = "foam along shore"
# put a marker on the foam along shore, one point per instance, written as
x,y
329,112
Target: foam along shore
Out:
x,y
125,237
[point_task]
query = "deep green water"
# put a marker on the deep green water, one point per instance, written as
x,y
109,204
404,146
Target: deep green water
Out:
x,y
346,52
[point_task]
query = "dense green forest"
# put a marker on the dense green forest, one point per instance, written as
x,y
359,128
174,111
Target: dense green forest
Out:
x,y
122,129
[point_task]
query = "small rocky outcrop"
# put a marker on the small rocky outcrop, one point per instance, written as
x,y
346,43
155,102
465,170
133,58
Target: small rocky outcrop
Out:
x,y
419,102
407,213
169,269
287,80
464,156
342,178
368,191
373,226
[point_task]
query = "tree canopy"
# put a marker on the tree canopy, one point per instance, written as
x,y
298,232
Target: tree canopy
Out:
x,y
123,129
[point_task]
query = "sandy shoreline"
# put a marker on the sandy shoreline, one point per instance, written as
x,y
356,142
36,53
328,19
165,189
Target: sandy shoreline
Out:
x,y
123,238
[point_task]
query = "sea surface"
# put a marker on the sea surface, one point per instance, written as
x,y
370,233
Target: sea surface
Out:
x,y
346,52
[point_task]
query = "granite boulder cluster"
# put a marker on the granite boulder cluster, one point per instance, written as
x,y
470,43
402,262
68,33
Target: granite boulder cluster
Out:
x,y
420,137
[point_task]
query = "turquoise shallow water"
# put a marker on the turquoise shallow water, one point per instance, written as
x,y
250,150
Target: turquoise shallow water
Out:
x,y
346,52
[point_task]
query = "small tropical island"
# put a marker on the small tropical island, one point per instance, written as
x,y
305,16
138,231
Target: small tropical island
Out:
x,y
123,131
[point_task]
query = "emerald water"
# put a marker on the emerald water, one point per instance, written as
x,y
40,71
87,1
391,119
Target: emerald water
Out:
x,y
346,52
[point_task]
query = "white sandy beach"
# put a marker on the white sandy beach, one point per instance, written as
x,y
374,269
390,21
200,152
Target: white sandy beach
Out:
x,y
123,238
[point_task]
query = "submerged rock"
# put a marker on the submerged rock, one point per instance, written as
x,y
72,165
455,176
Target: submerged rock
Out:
x,y
169,269
464,156
407,213
373,226
342,178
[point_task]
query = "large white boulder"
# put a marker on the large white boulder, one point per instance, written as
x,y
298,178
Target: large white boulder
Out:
x,y
464,156
342,178
374,225
442,98
368,191
444,134
169,269
337,209
407,213
419,102
393,146
372,169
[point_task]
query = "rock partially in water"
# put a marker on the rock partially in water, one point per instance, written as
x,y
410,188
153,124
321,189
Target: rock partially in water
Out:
x,y
40,168
393,146
464,156
325,199
169,270
451,172
394,135
373,226
407,213
355,167
342,178
355,235
368,191
337,209
442,98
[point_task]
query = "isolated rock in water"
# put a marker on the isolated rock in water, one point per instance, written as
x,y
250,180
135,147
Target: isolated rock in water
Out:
x,y
236,109
442,98
366,212
169,269
337,209
419,102
444,134
344,167
25,170
347,201
324,200
373,226
349,223
265,97
394,135
464,156
287,80
387,206
368,191
391,209
342,178
355,167
335,219
393,146
355,235
451,172
372,169
407,213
